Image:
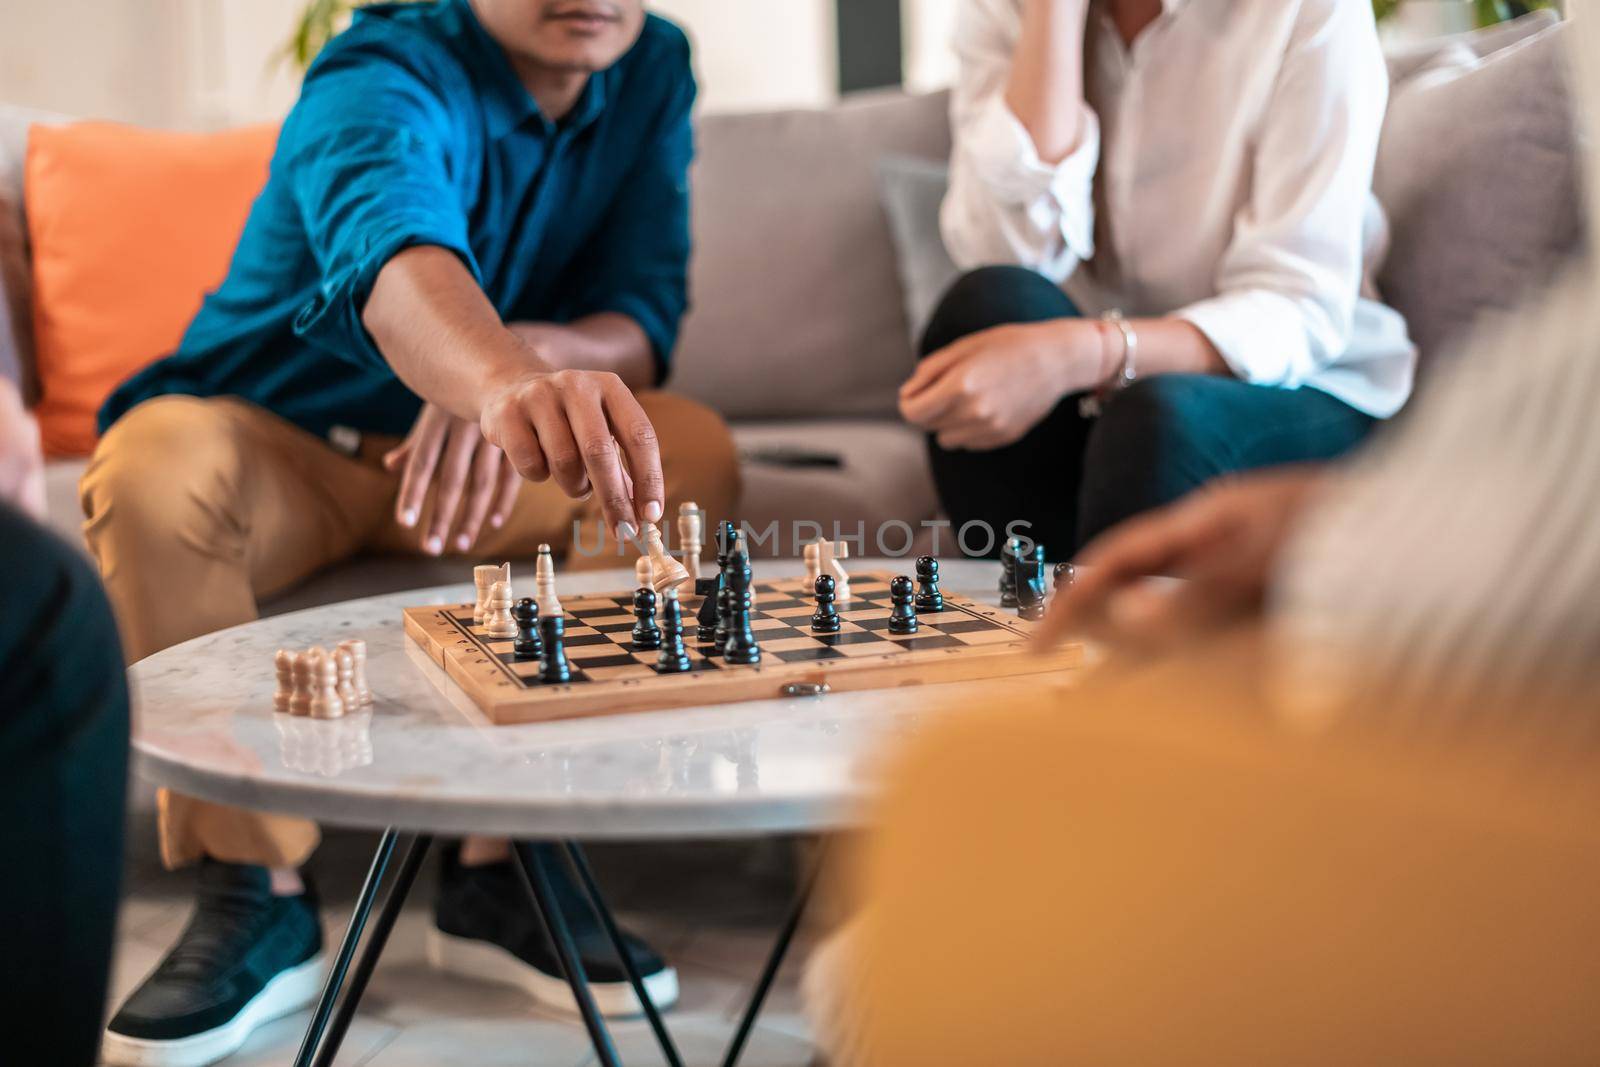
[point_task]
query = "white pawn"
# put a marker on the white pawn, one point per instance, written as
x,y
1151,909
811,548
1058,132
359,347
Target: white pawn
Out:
x,y
346,672
497,620
300,694
358,655
325,702
283,662
643,572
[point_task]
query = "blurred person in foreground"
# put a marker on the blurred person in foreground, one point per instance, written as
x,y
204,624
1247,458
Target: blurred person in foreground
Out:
x,y
63,771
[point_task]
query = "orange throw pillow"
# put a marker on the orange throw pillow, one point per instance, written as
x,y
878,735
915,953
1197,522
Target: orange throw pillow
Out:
x,y
130,228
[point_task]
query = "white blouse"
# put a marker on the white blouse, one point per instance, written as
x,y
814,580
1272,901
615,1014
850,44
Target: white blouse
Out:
x,y
1234,146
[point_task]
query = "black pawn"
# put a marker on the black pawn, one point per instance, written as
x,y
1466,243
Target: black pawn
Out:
x,y
929,598
525,613
646,634
706,619
741,647
1008,571
1066,574
826,618
674,658
902,616
1030,589
553,669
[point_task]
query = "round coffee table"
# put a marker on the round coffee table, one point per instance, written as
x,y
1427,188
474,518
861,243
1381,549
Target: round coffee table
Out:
x,y
424,760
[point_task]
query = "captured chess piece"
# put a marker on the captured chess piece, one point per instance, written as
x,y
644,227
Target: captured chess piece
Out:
x,y
553,669
1009,552
525,613
1030,589
741,648
300,694
674,658
929,598
646,634
346,664
902,613
1066,574
497,620
358,658
283,663
325,702
825,620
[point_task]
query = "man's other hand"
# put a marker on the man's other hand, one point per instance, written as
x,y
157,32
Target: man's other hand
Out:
x,y
21,462
1225,540
585,430
476,483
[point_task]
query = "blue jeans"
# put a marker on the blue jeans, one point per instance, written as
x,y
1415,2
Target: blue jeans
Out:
x,y
1071,478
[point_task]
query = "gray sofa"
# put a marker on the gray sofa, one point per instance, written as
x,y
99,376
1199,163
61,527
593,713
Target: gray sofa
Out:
x,y
800,331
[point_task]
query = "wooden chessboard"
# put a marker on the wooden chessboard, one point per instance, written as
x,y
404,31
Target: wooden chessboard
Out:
x,y
965,641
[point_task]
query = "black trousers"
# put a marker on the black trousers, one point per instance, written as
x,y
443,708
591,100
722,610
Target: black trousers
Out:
x,y
63,788
1071,478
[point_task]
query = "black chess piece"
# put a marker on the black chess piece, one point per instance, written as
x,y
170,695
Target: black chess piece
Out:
x,y
1066,574
929,598
1009,552
525,613
727,538
553,669
711,590
825,620
706,618
741,647
902,616
674,658
1030,589
646,634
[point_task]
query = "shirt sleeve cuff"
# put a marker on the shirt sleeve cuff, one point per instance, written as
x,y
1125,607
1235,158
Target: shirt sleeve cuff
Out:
x,y
1007,161
1259,335
332,319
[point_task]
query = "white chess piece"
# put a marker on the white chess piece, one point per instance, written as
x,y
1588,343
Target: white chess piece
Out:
x,y
544,583
497,620
829,553
346,664
283,663
669,573
691,538
643,572
813,564
358,657
300,695
325,702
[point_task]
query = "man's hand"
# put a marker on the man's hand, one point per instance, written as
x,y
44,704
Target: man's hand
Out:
x,y
476,483
585,430
1224,539
21,463
990,388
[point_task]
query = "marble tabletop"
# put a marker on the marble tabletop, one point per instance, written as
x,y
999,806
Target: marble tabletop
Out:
x,y
424,758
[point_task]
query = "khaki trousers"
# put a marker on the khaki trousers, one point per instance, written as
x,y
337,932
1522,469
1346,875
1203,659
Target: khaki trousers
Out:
x,y
196,508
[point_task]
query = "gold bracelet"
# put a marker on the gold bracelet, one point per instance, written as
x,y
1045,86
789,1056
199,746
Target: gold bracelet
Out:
x,y
1092,404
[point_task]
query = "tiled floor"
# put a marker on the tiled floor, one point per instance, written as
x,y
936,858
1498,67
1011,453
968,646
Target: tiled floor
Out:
x,y
712,908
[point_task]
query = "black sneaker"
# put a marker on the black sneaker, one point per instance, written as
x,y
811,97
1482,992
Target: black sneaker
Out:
x,y
485,927
245,958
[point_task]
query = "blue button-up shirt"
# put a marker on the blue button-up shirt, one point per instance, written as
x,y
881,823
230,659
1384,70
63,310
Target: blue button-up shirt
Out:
x,y
412,128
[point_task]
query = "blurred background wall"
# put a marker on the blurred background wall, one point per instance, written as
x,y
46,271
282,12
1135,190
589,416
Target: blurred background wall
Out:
x,y
209,63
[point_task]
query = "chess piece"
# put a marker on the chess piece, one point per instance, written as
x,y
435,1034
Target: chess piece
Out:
x,y
674,658
711,604
643,572
825,620
829,553
325,702
1030,589
544,584
525,613
497,614
728,535
669,573
358,659
903,614
929,598
740,647
484,578
691,538
346,673
1008,571
813,564
283,663
553,669
300,695
646,634
1066,574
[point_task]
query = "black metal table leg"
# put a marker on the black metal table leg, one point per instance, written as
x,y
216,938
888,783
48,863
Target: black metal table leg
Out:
x,y
404,880
580,862
769,972
347,948
537,881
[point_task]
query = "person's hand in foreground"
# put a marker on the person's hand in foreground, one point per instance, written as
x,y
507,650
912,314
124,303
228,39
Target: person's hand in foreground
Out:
x,y
21,463
1224,540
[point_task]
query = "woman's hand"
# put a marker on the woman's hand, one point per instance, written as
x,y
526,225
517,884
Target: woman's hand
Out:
x,y
1224,539
451,452
21,463
990,388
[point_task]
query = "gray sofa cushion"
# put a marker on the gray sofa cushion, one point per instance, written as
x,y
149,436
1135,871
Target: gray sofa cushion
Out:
x,y
1481,176
796,303
912,192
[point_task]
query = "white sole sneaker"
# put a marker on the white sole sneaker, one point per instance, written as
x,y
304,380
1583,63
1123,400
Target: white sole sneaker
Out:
x,y
491,963
288,992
